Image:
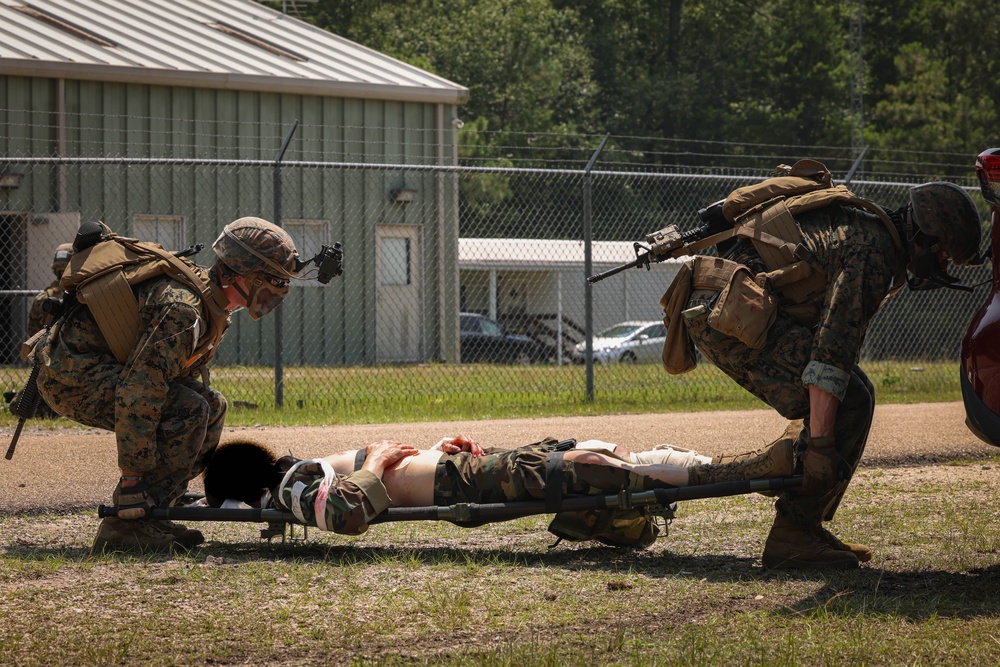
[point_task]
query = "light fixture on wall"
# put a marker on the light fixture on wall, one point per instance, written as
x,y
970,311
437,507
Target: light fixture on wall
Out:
x,y
403,195
10,180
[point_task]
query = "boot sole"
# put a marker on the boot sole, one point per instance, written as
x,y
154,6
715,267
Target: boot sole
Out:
x,y
796,564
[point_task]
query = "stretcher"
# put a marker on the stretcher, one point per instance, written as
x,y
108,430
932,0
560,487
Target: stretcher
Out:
x,y
658,502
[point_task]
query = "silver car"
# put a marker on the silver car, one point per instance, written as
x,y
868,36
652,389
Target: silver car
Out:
x,y
627,343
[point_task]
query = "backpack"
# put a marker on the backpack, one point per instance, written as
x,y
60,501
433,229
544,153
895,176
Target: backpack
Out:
x,y
765,213
102,277
633,527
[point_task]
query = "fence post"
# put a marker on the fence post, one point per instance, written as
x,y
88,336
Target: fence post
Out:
x,y
854,167
279,339
588,289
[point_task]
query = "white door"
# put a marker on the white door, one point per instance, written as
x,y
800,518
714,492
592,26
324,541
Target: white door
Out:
x,y
398,307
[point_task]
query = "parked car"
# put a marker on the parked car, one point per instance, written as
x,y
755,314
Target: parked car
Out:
x,y
482,339
626,343
981,346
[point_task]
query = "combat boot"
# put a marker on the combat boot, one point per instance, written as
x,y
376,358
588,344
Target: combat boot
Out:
x,y
186,537
776,461
791,545
791,434
116,534
861,551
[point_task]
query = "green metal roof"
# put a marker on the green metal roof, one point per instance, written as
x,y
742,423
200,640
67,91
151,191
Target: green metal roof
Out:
x,y
221,44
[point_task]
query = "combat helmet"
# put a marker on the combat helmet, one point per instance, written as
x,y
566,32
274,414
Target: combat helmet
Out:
x,y
264,255
60,259
943,226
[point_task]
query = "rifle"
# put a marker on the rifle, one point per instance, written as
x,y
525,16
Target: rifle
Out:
x,y
24,407
671,242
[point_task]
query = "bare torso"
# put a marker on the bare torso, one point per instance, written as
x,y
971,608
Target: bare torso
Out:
x,y
410,483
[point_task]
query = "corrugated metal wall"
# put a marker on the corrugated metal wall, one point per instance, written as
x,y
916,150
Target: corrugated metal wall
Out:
x,y
45,117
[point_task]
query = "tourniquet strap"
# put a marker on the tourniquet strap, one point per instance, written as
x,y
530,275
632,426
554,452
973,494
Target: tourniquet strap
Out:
x,y
359,458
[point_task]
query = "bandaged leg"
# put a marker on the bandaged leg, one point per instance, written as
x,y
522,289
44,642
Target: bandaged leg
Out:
x,y
660,455
587,472
671,456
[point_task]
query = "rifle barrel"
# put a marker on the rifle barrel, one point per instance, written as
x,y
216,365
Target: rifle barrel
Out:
x,y
641,260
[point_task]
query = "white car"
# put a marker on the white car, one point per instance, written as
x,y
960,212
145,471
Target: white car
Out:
x,y
626,343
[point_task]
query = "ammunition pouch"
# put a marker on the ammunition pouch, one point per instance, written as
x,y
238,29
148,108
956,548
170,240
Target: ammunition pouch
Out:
x,y
745,308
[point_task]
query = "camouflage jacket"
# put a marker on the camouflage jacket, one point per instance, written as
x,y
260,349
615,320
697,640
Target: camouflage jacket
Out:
x,y
170,323
317,496
855,251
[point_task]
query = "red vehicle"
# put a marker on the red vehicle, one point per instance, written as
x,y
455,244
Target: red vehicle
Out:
x,y
981,345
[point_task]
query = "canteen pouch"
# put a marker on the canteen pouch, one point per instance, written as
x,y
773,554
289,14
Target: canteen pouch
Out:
x,y
745,308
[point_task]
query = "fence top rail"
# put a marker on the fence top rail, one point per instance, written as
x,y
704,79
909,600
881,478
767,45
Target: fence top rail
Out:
x,y
453,169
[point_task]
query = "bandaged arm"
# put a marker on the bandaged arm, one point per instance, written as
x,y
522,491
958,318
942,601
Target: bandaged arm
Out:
x,y
319,497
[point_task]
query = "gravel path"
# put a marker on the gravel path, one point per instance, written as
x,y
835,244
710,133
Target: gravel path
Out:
x,y
79,466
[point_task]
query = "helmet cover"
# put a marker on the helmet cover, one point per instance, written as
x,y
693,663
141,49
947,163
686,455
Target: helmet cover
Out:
x,y
946,212
60,259
264,255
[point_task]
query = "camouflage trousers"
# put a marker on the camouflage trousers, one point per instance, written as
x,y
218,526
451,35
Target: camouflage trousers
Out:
x,y
519,474
773,374
187,434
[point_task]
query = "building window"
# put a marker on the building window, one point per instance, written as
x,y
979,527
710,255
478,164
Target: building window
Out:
x,y
167,230
395,269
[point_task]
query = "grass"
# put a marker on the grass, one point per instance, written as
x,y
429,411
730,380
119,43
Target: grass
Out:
x,y
437,392
431,593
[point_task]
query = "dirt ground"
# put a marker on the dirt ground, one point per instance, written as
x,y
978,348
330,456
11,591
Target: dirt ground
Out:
x,y
75,468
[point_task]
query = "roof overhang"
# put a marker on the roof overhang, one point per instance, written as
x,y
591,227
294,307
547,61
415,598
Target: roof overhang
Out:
x,y
232,81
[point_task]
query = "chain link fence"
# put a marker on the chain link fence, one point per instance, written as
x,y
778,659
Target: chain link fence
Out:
x,y
461,285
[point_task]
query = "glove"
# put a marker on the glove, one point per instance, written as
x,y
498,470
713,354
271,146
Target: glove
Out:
x,y
820,464
134,502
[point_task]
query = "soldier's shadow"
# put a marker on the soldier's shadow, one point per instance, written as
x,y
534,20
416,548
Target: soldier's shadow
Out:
x,y
915,596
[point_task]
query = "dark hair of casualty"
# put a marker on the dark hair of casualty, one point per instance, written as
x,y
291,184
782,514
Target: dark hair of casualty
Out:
x,y
240,470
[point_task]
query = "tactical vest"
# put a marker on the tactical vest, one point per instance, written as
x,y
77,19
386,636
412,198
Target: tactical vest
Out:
x,y
103,277
765,214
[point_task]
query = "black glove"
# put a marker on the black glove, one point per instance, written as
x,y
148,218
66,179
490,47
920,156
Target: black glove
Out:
x,y
820,464
133,501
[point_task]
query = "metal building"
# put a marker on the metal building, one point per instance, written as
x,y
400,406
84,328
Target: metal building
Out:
x,y
225,81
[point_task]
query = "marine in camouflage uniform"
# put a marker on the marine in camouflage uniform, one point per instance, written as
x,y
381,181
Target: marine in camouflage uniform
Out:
x,y
167,422
38,319
856,252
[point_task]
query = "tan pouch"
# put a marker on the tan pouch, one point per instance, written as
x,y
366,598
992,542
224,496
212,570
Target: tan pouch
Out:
x,y
678,351
745,308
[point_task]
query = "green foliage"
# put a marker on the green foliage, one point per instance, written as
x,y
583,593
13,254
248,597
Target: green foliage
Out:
x,y
777,71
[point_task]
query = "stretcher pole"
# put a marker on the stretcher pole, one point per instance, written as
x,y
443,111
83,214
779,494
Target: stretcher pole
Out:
x,y
474,514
